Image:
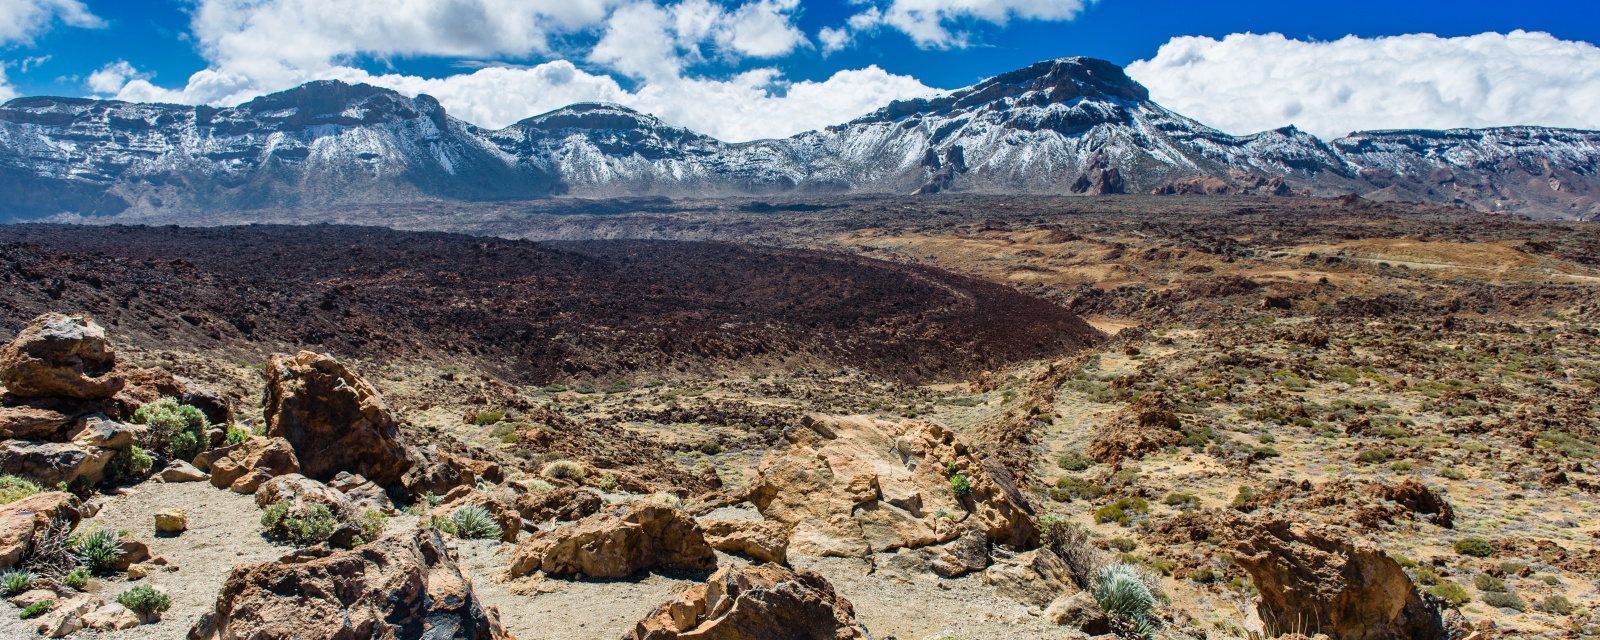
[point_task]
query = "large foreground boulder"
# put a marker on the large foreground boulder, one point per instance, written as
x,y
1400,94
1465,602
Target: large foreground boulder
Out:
x,y
754,603
20,520
48,463
244,467
404,586
302,492
1329,578
617,545
563,503
60,356
853,486
335,420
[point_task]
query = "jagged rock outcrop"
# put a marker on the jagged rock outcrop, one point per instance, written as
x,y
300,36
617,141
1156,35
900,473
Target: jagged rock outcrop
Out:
x,y
48,463
562,503
760,540
60,356
363,494
1151,424
617,544
437,472
403,586
1418,498
335,420
499,503
20,520
1035,578
1338,583
302,492
765,602
851,486
244,467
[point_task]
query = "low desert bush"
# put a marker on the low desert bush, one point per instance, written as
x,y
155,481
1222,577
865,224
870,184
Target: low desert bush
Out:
x,y
131,462
1486,582
1452,592
372,522
608,482
77,579
960,486
13,489
1074,461
562,470
235,436
305,527
144,600
36,609
486,418
1559,605
1182,501
176,431
1476,547
1504,601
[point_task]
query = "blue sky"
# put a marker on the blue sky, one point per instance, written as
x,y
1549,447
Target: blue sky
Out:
x,y
811,67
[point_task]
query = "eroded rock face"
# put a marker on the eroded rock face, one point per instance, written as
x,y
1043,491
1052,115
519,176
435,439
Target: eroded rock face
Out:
x,y
364,494
300,491
21,519
60,356
435,471
244,467
1034,578
1351,587
852,486
335,420
764,541
613,545
564,504
767,602
1151,424
48,463
403,586
1418,498
52,419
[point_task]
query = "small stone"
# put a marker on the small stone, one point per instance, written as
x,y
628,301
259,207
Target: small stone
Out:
x,y
180,471
172,521
140,571
67,617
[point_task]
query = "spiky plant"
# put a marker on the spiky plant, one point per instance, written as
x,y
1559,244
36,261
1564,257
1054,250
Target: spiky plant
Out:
x,y
99,550
473,521
1121,591
50,556
16,581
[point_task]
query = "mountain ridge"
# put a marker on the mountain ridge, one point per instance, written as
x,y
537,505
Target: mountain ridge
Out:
x,y
1068,125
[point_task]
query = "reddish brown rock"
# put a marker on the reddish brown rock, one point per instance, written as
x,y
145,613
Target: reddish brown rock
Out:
x,y
403,586
434,471
60,356
244,467
301,492
1347,587
1151,424
564,504
364,494
335,420
767,602
1418,498
52,419
760,540
20,520
608,545
145,386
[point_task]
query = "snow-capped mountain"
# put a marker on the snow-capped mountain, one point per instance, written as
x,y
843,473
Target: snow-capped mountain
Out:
x,y
1072,125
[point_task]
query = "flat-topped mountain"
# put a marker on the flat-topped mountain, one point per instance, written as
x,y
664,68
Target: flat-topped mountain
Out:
x,y
1071,125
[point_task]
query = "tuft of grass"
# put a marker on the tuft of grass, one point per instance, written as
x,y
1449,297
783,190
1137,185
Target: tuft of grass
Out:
x,y
474,522
145,600
16,581
562,470
1073,461
77,579
1452,592
36,609
960,486
13,489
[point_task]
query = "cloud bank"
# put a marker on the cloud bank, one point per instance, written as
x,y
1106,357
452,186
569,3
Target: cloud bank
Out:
x,y
23,20
260,46
1246,83
929,23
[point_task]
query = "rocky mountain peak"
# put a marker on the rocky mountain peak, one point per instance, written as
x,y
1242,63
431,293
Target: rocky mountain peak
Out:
x,y
326,102
1041,84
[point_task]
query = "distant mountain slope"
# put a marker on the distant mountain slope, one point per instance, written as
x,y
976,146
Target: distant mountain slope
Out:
x,y
1072,125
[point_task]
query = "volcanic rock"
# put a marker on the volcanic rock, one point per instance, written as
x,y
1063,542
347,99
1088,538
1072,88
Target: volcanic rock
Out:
x,y
765,541
1418,498
21,519
607,545
437,472
180,471
1081,611
132,552
965,554
60,356
363,494
67,616
50,419
754,603
49,463
1035,578
99,431
172,521
301,492
403,586
851,486
1151,425
563,503
1347,587
335,420
245,466
111,617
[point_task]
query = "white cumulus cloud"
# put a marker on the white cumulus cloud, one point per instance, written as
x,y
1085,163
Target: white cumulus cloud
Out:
x,y
1246,82
261,46
23,20
929,22
113,77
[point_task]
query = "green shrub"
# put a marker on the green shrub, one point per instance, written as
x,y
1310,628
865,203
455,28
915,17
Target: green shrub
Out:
x,y
486,418
36,609
304,528
474,522
585,388
563,470
13,489
144,600
1559,605
131,462
98,550
1504,601
16,581
553,388
1426,576
446,525
1486,582
620,386
608,482
1477,547
176,431
960,486
1267,438
77,579
372,522
1375,456
1122,544
1452,592
1452,473
1074,461
1513,568
1109,513
1182,500
1204,575
235,436
1075,488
